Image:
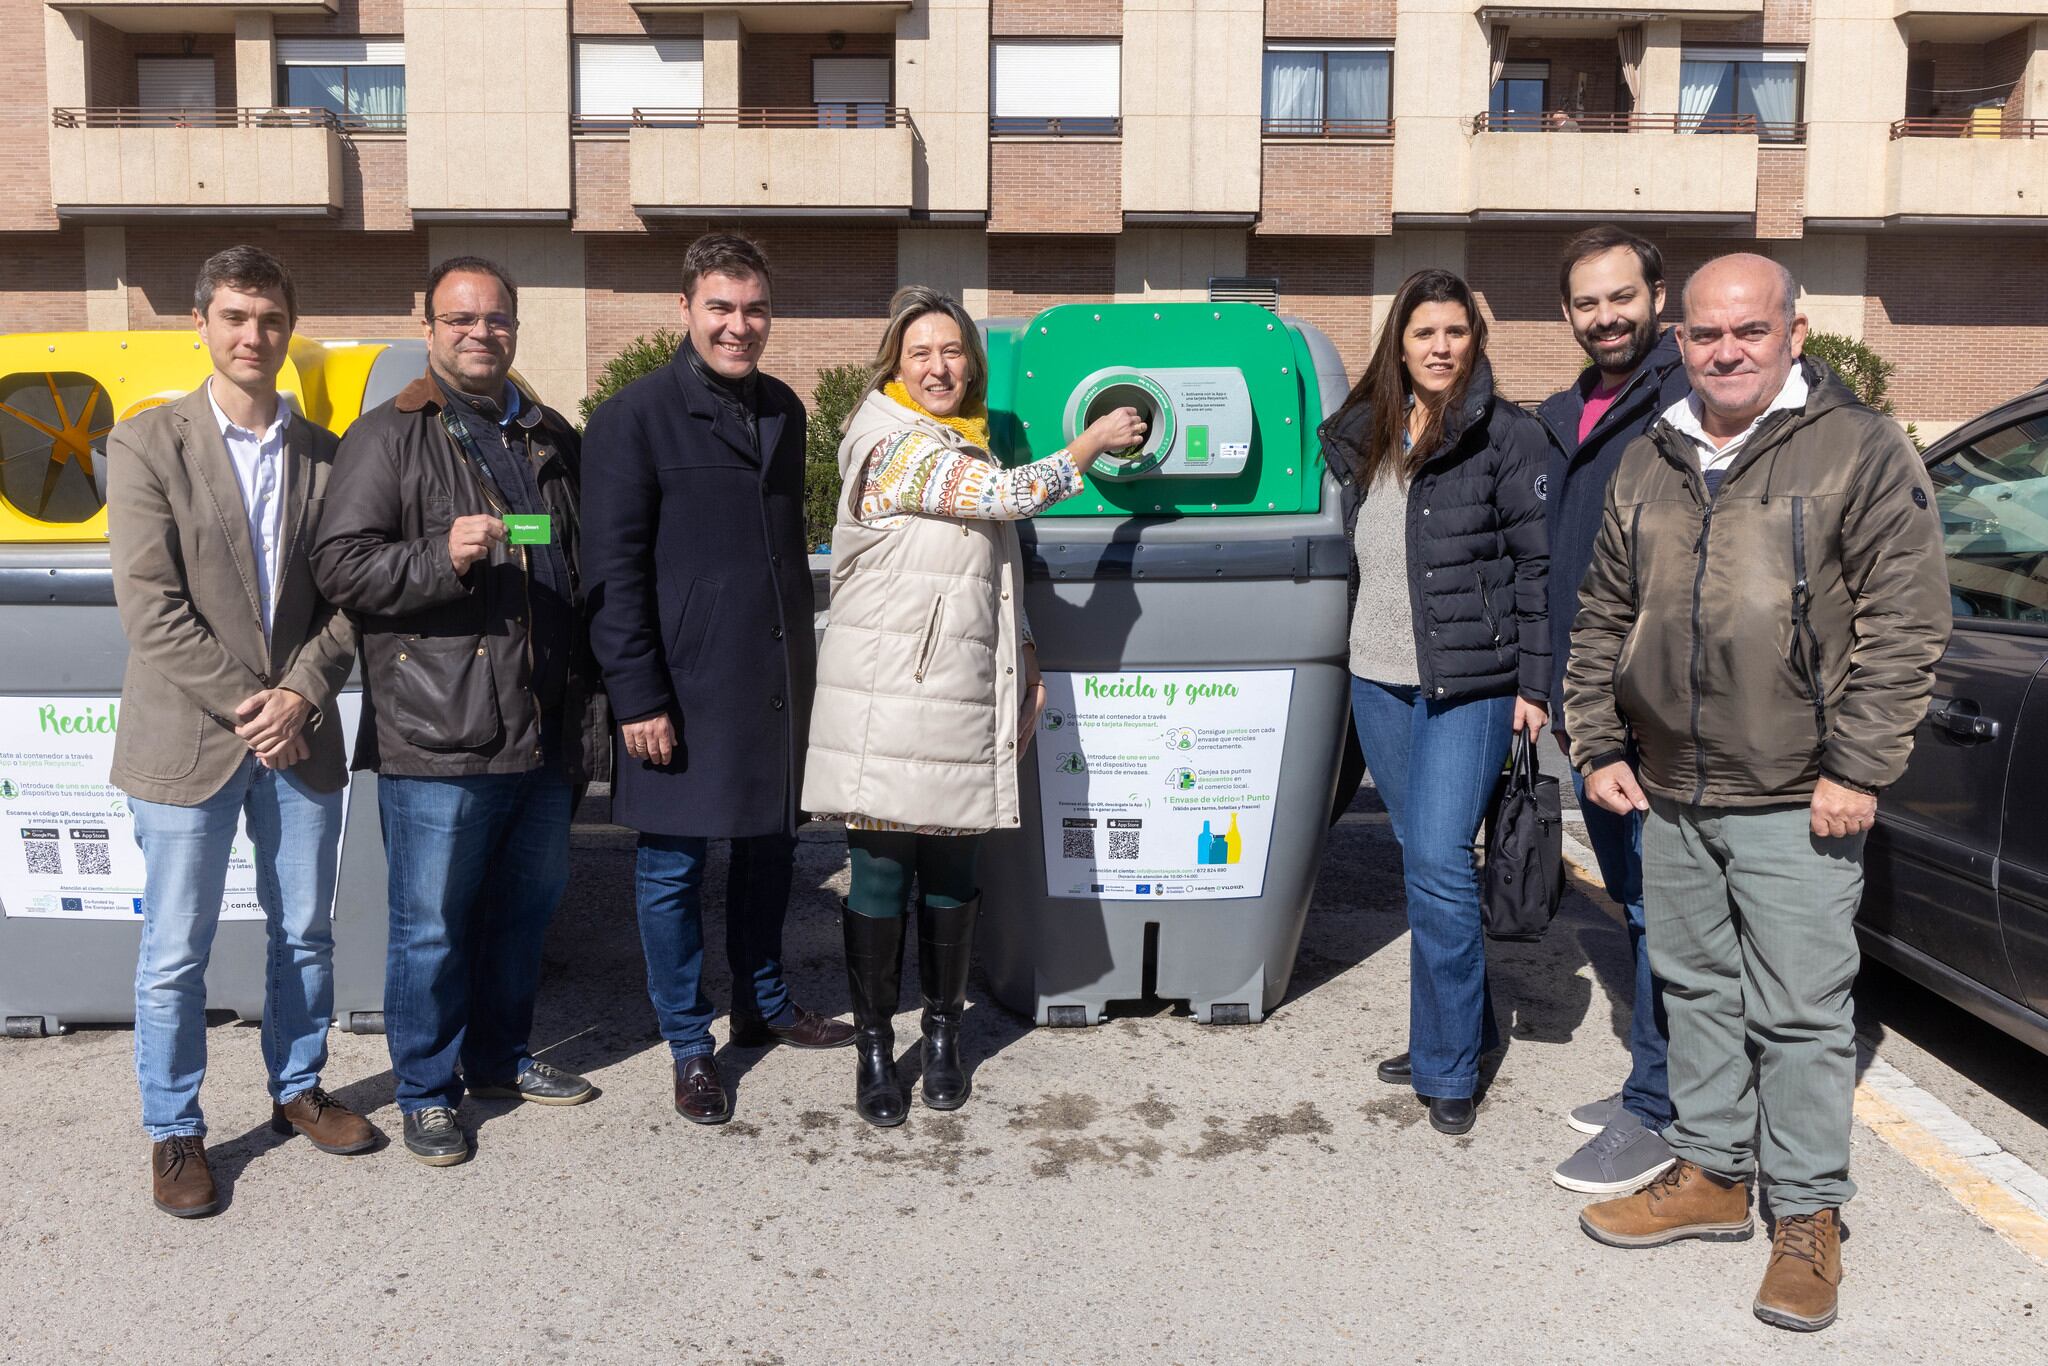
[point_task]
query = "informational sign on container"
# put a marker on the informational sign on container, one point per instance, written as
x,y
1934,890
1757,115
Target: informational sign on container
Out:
x,y
67,842
1160,783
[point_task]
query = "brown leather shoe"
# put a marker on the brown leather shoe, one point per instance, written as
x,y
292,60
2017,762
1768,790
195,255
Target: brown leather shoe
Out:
x,y
808,1030
700,1095
1687,1201
327,1124
1800,1285
180,1179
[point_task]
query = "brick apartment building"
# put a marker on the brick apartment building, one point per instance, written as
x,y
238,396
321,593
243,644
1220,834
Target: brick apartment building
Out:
x,y
1893,153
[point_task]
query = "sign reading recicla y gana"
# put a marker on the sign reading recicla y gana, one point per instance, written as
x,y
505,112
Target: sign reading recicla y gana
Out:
x,y
1160,784
1169,690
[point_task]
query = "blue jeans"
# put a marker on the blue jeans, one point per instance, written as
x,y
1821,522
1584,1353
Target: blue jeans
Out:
x,y
1617,843
185,853
668,878
477,865
1436,765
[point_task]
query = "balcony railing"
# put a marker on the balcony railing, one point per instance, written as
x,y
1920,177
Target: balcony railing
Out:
x,y
1966,126
1569,121
1055,128
137,116
1327,128
811,116
272,160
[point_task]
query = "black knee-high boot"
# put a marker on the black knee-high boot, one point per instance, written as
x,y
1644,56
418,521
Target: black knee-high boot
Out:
x,y
874,972
945,949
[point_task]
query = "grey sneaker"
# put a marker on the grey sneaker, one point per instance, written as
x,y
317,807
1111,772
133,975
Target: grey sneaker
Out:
x,y
433,1136
543,1085
1623,1157
1595,1115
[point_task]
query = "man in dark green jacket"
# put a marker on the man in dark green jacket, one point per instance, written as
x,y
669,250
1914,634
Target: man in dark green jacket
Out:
x,y
1765,608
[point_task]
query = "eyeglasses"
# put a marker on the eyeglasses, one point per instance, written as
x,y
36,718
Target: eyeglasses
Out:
x,y
499,324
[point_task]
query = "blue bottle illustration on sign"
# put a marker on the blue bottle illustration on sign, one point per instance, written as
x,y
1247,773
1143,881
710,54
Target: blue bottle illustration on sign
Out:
x,y
1211,848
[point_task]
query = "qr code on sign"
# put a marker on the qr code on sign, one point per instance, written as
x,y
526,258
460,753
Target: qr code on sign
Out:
x,y
1123,844
43,858
93,858
1077,843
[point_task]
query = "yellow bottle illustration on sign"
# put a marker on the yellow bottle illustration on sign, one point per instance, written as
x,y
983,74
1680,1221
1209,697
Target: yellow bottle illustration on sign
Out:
x,y
1233,842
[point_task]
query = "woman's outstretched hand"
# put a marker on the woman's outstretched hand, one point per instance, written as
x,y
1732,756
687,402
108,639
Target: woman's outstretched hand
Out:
x,y
1120,429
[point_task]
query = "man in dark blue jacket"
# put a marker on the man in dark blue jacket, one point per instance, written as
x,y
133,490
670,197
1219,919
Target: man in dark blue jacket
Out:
x,y
1612,284
700,617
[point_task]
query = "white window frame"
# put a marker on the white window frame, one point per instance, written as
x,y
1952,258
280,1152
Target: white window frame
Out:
x,y
345,51
1326,48
1739,53
1040,102
670,69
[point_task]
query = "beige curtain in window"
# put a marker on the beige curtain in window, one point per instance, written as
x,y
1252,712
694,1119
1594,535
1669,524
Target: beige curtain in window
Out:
x,y
1630,41
1497,48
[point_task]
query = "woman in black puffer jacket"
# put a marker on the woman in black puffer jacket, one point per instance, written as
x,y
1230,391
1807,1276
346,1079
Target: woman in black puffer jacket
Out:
x,y
1450,647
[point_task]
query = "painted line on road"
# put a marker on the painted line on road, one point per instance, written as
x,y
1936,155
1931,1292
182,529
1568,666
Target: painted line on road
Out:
x,y
1997,1187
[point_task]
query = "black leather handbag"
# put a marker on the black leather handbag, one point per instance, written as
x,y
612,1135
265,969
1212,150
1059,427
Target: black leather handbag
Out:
x,y
1524,877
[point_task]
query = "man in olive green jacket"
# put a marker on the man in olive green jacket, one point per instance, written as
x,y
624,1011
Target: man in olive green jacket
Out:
x,y
1765,608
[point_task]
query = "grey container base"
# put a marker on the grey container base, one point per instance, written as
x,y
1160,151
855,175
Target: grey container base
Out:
x,y
1161,596
1065,961
58,973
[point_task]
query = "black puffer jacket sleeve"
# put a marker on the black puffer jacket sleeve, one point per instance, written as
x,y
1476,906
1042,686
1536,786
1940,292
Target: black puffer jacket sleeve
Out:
x,y
1521,493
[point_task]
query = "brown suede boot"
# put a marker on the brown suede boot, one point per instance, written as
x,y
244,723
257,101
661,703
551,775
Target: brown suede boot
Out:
x,y
180,1180
1685,1202
1805,1273
327,1124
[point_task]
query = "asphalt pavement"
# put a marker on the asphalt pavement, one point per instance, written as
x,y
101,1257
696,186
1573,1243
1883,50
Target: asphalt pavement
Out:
x,y
1151,1190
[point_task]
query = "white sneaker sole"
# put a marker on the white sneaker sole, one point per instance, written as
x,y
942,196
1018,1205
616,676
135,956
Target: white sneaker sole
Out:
x,y
1582,1126
1627,1187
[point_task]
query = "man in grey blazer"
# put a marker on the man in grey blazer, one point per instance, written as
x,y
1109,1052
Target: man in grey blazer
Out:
x,y
227,711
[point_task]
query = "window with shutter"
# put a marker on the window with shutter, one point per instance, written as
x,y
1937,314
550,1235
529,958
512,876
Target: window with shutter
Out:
x,y
850,92
1056,87
663,78
175,83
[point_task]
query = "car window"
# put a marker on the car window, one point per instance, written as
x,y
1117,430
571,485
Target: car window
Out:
x,y
1993,498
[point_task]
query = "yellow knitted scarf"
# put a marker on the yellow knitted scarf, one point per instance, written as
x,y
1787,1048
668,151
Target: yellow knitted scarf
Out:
x,y
973,426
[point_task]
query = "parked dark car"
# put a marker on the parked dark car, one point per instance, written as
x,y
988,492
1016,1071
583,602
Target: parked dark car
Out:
x,y
1957,892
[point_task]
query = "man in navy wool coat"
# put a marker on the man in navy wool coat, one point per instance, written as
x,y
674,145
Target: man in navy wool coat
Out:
x,y
700,601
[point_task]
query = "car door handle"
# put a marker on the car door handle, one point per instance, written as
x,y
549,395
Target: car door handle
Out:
x,y
1961,717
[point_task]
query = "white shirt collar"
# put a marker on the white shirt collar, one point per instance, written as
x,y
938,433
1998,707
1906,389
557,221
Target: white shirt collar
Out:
x,y
226,422
1686,414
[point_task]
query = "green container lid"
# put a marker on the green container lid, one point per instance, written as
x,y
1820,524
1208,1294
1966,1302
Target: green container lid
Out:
x,y
1047,375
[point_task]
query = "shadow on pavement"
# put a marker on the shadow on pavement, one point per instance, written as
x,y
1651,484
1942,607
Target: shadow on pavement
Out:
x,y
1540,993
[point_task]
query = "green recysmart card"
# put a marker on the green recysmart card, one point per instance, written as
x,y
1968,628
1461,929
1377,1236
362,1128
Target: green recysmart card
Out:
x,y
529,528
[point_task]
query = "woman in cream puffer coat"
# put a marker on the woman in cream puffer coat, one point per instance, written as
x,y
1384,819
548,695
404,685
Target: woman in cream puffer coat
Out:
x,y
928,686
